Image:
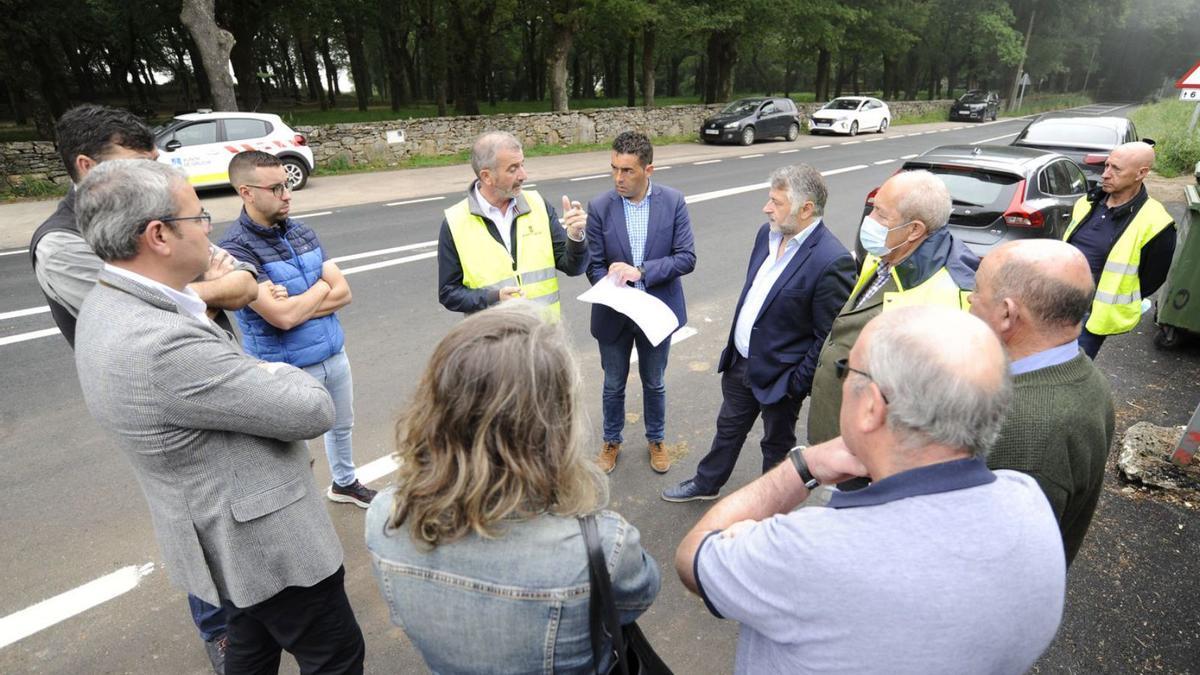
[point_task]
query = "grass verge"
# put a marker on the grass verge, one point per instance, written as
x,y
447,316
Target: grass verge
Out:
x,y
1176,151
32,189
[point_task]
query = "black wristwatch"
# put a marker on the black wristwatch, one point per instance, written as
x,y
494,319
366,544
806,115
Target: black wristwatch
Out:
x,y
796,454
642,271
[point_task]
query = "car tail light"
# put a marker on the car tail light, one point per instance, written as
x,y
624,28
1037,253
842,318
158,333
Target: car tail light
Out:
x,y
1095,159
871,197
1018,213
300,139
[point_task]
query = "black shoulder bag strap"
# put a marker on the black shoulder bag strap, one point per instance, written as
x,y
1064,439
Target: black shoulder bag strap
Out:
x,y
605,624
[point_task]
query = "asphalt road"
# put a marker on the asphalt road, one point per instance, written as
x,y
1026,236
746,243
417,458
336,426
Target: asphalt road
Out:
x,y
73,513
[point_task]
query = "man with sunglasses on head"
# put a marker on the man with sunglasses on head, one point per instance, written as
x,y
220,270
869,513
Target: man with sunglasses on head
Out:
x,y
293,320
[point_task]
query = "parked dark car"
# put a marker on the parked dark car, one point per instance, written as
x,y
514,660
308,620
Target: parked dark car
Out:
x,y
1086,140
748,119
976,106
1000,192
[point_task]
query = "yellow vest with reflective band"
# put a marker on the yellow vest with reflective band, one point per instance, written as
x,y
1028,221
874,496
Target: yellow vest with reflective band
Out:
x,y
1117,307
486,263
938,289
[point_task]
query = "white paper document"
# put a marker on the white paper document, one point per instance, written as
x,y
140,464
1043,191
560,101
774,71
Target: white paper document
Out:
x,y
652,315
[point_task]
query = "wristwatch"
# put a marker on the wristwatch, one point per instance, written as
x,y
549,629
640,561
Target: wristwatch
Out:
x,y
796,454
642,271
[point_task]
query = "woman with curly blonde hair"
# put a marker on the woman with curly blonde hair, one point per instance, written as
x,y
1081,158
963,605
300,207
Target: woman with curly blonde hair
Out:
x,y
477,547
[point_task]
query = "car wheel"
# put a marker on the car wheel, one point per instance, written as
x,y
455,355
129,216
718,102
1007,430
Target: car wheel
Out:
x,y
883,125
1167,337
748,136
854,128
793,132
297,172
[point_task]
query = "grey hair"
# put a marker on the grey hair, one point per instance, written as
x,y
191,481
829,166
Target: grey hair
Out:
x,y
802,183
925,198
931,399
1053,302
118,198
483,153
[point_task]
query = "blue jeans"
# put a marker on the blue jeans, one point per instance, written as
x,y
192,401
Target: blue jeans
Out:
x,y
334,373
210,621
652,364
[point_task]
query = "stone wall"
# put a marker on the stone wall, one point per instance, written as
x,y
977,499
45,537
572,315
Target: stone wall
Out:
x,y
380,142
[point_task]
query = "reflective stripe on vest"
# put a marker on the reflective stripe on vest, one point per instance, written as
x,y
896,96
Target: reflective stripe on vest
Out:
x,y
1117,307
486,263
938,289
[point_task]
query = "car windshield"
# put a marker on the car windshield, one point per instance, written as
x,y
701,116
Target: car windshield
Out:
x,y
975,187
1071,135
976,97
741,106
842,104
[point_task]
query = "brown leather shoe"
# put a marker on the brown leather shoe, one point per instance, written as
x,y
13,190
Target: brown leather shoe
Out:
x,y
608,456
660,461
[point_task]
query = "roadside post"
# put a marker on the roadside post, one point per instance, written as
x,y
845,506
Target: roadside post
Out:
x,y
1185,451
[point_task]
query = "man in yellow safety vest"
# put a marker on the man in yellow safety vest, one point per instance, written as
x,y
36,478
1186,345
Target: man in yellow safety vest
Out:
x,y
1128,240
502,242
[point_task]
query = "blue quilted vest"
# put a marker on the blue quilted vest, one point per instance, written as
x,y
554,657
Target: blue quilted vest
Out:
x,y
291,255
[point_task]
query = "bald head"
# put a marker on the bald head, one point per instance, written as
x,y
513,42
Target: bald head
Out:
x,y
943,372
1046,282
1126,167
1137,154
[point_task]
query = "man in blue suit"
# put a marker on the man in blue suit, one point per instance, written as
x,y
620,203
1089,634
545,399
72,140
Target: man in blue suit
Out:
x,y
798,279
640,234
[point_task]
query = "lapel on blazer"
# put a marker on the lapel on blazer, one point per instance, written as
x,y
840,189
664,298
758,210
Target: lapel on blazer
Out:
x,y
617,217
793,265
659,219
154,298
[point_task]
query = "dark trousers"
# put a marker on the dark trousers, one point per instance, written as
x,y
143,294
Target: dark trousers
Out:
x,y
209,620
739,410
315,625
1090,342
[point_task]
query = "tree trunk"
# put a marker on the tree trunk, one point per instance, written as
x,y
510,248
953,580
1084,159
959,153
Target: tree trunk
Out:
x,y
203,89
359,70
630,80
649,37
1012,99
576,78
824,60
312,74
675,62
560,49
214,44
331,70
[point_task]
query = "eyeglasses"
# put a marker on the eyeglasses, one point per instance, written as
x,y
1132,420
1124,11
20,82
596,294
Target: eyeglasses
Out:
x,y
277,189
842,366
204,215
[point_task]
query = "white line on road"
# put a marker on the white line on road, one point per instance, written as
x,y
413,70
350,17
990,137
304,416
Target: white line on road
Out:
x,y
415,201
529,185
662,168
24,250
707,161
23,312
676,337
820,147
883,161
717,194
849,142
22,337
907,156
877,138
313,215
373,471
994,138
48,612
592,177
845,169
788,152
383,251
389,263
750,156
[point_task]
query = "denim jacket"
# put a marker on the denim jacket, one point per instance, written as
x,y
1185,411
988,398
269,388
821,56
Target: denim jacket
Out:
x,y
514,604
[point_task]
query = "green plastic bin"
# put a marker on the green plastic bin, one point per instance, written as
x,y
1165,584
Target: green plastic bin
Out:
x,y
1179,298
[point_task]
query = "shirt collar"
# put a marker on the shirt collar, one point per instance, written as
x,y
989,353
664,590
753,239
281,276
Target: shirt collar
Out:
x,y
645,200
187,300
1045,358
958,474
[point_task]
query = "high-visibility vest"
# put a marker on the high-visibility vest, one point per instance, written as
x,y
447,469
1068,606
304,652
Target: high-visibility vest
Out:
x,y
1117,307
486,263
938,289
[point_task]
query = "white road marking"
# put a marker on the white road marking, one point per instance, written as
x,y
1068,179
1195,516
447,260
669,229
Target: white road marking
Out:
x,y
662,168
846,169
849,142
23,312
529,185
384,251
717,194
389,263
592,177
788,152
883,161
750,156
415,201
877,138
676,337
46,613
907,156
994,138
24,250
820,147
313,215
707,161
22,337
373,471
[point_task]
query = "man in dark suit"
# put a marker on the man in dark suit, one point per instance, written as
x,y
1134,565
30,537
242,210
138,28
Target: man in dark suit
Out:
x,y
799,277
640,234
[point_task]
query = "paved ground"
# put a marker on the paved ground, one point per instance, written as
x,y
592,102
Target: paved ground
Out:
x,y
73,513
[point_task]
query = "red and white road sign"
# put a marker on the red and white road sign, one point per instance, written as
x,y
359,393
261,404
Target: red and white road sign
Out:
x,y
1190,79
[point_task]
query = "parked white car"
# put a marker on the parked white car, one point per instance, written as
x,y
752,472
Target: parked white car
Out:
x,y
203,143
850,115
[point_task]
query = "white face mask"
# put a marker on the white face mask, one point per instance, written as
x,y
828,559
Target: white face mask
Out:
x,y
873,236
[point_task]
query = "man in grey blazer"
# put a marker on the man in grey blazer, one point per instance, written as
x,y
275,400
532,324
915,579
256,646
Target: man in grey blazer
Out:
x,y
215,437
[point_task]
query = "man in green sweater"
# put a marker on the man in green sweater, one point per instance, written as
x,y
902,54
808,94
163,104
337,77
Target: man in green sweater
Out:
x,y
1034,294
